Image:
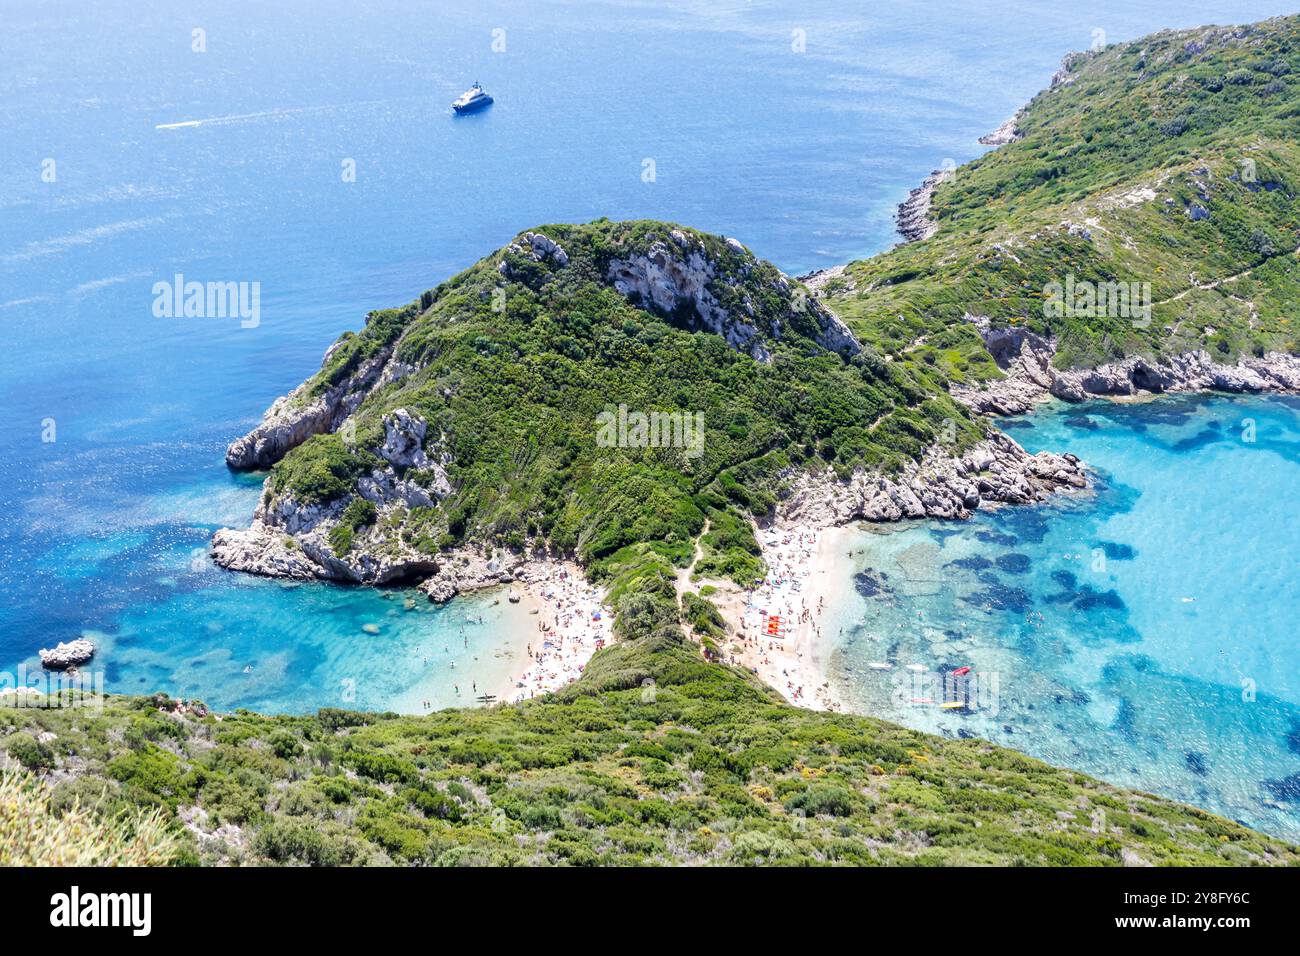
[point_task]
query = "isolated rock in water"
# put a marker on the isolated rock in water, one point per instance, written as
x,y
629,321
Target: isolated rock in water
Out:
x,y
65,655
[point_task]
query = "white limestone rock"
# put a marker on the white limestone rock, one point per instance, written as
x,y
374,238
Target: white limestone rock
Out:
x,y
67,654
677,275
294,418
995,471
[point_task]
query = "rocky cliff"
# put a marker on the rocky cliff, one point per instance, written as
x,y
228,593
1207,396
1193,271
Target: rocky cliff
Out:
x,y
1027,359
941,485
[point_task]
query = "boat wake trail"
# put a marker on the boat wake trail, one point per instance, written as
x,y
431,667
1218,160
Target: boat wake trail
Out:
x,y
271,114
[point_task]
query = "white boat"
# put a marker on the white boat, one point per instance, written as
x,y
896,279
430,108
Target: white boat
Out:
x,y
472,99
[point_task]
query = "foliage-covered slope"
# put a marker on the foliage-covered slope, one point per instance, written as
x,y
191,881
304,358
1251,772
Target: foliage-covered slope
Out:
x,y
1170,160
500,377
704,769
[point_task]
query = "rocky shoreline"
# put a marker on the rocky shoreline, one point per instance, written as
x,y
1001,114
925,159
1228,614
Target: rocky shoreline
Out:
x,y
1008,132
913,217
1026,358
996,471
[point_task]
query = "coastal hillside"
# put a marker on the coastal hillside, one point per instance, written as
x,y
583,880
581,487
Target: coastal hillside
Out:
x,y
495,419
640,398
1140,217
704,769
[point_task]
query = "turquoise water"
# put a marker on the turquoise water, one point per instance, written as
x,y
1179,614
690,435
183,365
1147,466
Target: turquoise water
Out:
x,y
802,156
1145,632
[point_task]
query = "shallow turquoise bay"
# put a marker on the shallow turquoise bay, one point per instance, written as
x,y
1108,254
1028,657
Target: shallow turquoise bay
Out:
x,y
1144,632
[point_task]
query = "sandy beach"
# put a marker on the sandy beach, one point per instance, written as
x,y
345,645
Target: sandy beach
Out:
x,y
567,623
786,652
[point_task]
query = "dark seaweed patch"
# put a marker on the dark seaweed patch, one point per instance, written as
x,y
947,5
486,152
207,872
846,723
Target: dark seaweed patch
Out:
x,y
1066,579
871,583
943,534
1206,436
1286,790
1115,551
1126,719
999,597
1087,599
1014,563
1292,738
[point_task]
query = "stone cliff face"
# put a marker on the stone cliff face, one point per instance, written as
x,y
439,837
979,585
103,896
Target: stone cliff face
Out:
x,y
291,538
913,218
678,276
941,485
295,417
1026,359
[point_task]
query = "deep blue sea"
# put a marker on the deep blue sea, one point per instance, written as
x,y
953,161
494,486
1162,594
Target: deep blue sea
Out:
x,y
1144,632
801,155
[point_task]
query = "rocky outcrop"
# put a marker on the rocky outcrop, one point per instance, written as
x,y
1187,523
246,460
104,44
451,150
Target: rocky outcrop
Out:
x,y
291,538
1190,372
913,218
995,471
263,550
677,276
1008,132
819,279
295,417
404,439
268,549
1026,359
1064,74
537,247
472,570
67,654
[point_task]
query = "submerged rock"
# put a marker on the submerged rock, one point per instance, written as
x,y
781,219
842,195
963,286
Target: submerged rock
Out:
x,y
870,583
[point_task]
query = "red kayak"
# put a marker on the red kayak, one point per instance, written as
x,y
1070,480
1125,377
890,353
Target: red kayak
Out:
x,y
961,672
